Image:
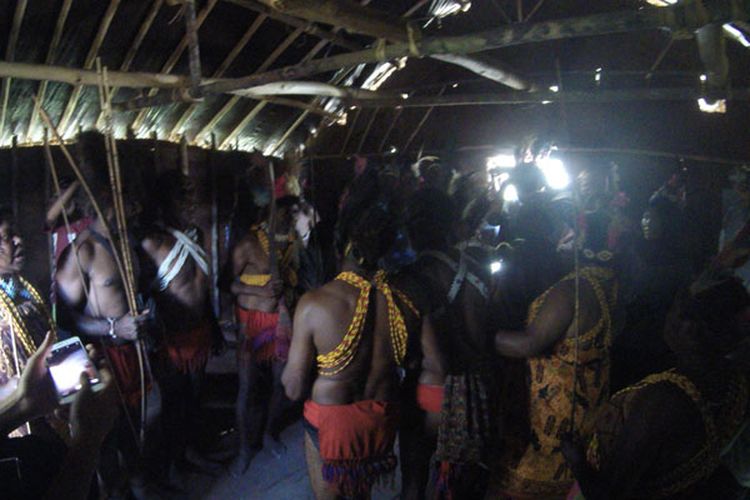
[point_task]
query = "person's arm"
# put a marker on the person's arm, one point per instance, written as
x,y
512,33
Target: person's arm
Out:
x,y
92,416
35,395
57,207
551,323
297,373
74,265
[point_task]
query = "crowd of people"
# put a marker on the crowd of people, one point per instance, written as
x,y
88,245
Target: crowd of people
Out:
x,y
539,345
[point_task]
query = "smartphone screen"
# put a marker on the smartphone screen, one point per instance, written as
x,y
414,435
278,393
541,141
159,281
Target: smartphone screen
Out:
x,y
67,360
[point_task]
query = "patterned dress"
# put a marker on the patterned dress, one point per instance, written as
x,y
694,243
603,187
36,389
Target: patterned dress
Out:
x,y
536,468
24,321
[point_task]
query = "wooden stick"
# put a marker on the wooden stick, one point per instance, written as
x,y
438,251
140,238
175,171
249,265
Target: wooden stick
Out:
x,y
101,33
388,131
350,131
422,122
662,54
367,129
194,54
10,54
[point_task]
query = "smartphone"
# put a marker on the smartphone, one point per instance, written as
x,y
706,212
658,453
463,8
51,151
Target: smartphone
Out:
x,y
66,362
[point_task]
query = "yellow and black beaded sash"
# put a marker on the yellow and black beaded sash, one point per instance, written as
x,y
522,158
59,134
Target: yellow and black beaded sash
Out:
x,y
340,357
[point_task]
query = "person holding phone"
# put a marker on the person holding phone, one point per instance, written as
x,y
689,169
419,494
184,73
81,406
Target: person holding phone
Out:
x,y
23,315
38,469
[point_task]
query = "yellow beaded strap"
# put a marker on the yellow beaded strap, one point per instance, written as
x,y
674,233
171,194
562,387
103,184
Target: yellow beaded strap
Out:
x,y
10,310
336,360
396,324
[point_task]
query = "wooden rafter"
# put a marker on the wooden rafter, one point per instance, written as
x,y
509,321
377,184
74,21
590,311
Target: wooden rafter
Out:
x,y
367,129
272,57
295,22
137,41
388,131
175,57
10,54
220,71
680,17
101,33
350,131
421,123
51,53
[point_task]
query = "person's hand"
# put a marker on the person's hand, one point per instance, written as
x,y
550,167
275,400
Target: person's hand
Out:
x,y
93,414
273,289
36,388
131,327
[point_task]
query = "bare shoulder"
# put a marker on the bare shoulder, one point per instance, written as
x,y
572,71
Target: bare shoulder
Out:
x,y
83,248
328,299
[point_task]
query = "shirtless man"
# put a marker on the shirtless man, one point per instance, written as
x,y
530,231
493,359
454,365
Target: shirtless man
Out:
x,y
456,352
181,291
94,306
264,296
349,328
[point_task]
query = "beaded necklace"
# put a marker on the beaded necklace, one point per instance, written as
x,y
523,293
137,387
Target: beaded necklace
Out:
x,y
339,358
11,312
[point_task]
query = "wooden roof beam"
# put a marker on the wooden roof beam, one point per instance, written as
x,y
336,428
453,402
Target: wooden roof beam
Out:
x,y
51,53
223,67
109,14
371,22
10,54
681,17
135,45
175,57
272,57
295,22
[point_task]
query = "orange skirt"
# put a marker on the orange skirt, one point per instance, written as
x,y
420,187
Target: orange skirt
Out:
x,y
189,351
430,397
259,329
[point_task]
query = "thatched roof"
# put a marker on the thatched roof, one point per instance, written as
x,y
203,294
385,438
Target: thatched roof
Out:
x,y
650,71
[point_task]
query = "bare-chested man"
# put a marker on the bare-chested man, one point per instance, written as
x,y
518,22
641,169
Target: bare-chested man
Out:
x,y
456,356
94,306
355,330
263,286
189,331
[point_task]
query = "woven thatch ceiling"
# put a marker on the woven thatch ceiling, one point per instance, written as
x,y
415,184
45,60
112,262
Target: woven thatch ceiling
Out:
x,y
242,37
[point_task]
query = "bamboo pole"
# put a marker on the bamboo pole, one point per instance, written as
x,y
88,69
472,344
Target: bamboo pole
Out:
x,y
422,122
350,131
49,59
194,54
75,95
10,54
367,130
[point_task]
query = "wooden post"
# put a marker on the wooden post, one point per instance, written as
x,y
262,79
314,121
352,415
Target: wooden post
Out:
x,y
184,160
15,205
215,294
194,53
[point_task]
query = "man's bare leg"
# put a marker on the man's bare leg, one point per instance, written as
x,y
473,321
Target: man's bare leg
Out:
x,y
277,406
248,416
314,469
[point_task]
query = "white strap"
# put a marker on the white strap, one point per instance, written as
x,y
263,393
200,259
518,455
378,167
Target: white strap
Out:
x,y
462,273
184,247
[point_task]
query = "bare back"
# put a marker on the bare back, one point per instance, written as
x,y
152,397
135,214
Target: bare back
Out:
x,y
373,373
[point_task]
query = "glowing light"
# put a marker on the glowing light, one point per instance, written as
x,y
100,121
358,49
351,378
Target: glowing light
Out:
x,y
555,174
314,131
737,35
555,88
455,86
510,194
662,3
404,96
718,106
501,161
444,8
352,108
496,267
393,150
546,102
703,78
498,180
